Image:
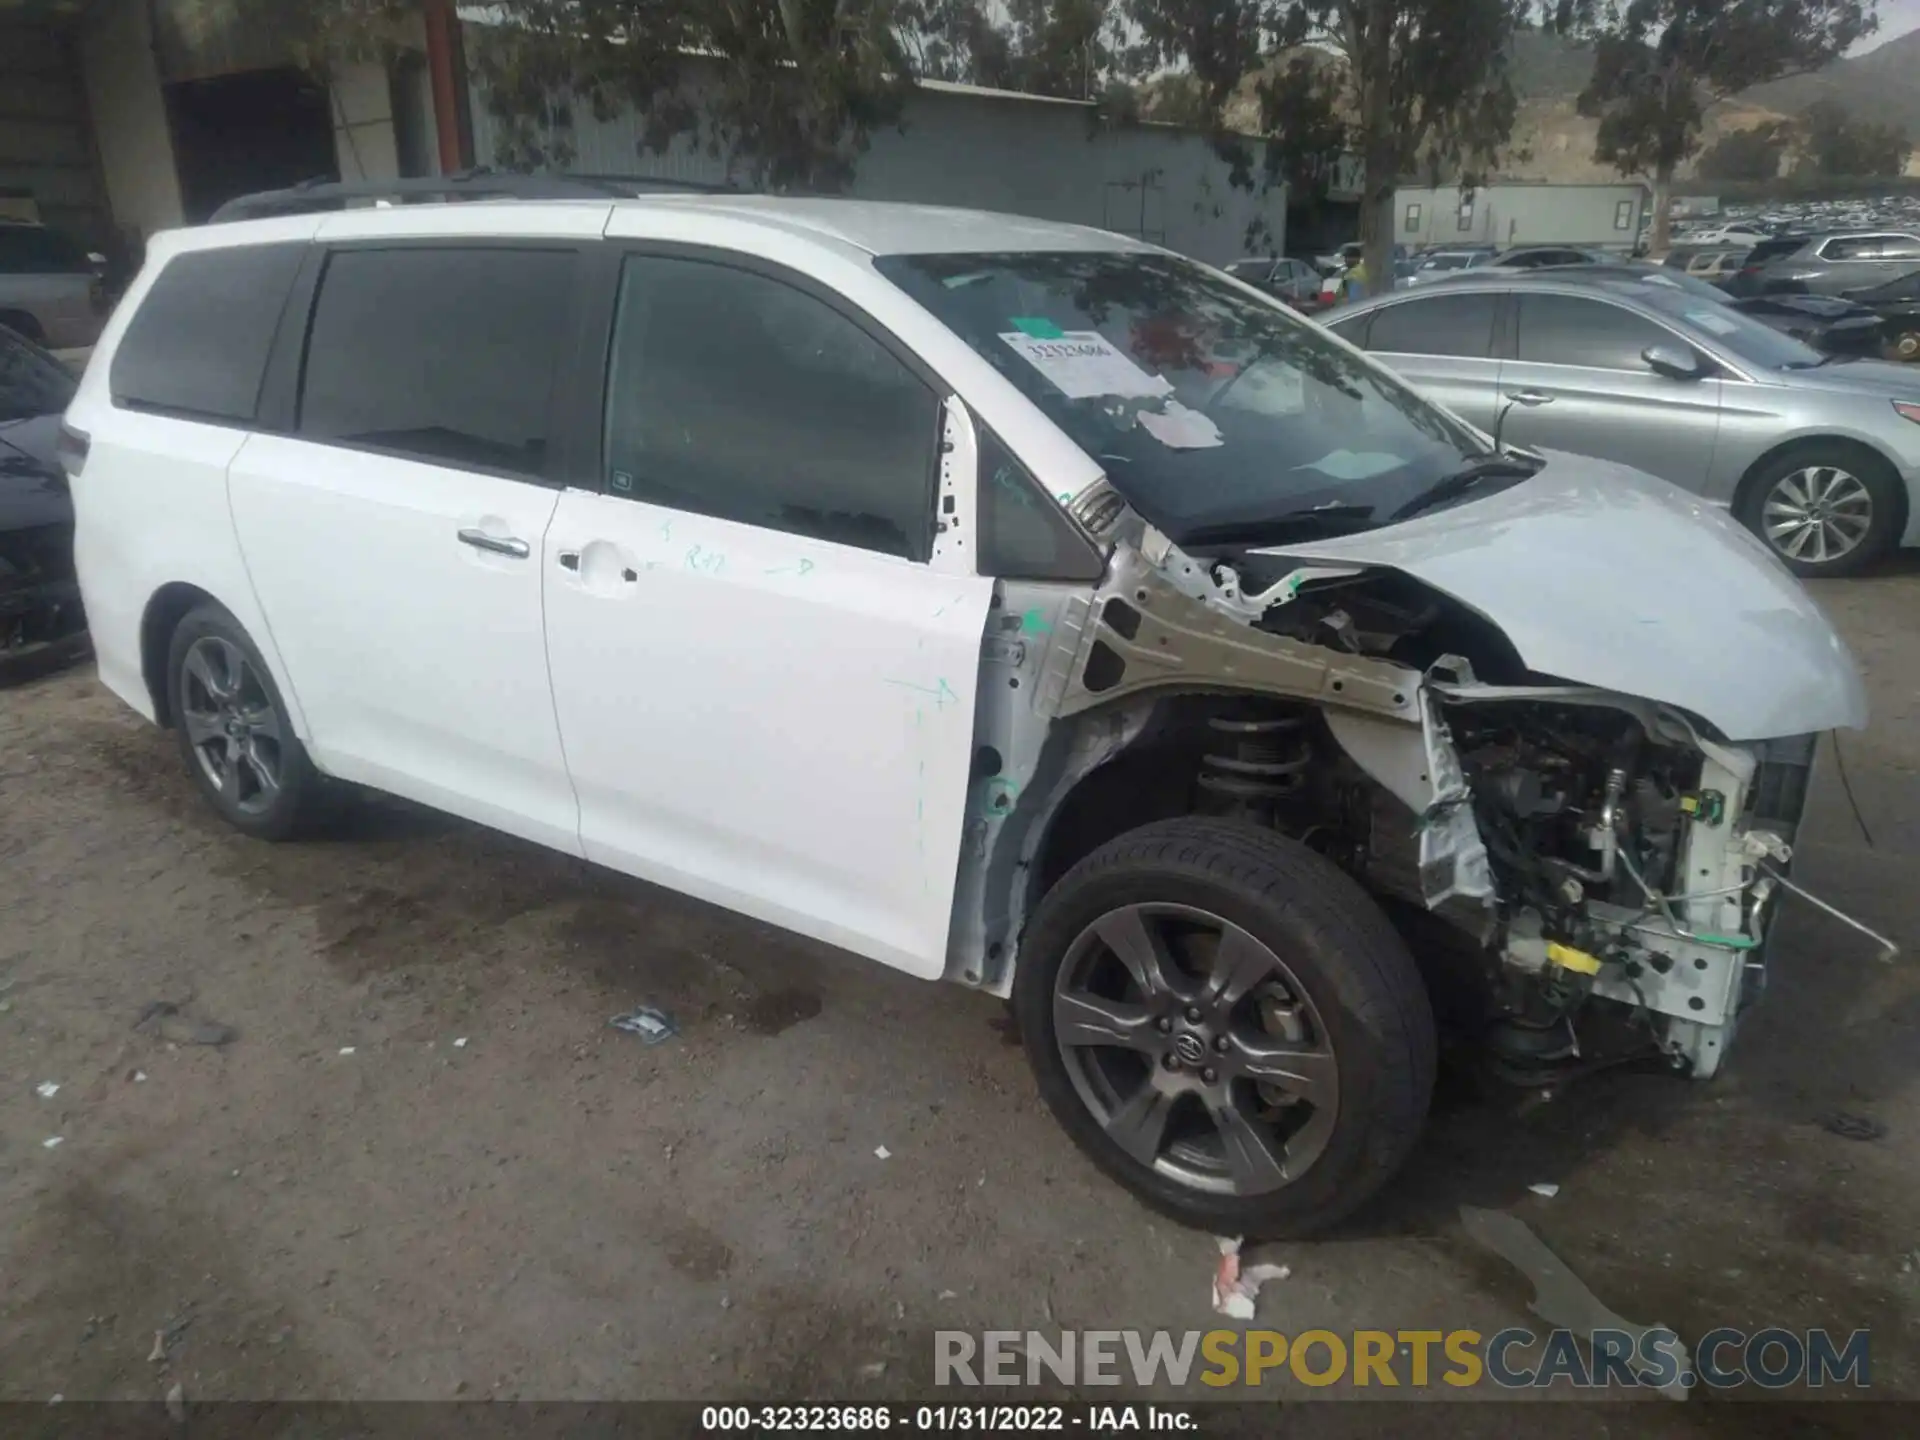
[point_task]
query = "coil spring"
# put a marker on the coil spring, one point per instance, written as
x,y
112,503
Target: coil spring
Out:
x,y
1258,760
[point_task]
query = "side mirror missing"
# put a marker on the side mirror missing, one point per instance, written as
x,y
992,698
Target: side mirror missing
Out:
x,y
1672,362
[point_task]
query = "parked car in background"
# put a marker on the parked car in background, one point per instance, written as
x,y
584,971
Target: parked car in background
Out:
x,y
1535,257
1836,326
1821,460
1189,640
1747,280
41,620
1734,233
51,288
1294,281
1835,264
1433,264
1716,266
1897,303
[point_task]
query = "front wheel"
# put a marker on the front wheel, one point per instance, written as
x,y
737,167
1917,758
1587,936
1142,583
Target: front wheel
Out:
x,y
1825,510
1227,1024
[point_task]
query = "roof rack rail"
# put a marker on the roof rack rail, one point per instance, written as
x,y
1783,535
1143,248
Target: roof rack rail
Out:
x,y
321,193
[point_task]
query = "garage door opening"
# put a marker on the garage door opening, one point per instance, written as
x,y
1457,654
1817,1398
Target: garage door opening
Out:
x,y
256,130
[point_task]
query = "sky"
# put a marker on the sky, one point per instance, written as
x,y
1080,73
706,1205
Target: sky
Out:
x,y
1897,17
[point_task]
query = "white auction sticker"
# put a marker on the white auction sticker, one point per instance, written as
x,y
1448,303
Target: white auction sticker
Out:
x,y
1084,365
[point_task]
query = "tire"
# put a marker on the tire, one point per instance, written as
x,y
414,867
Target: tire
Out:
x,y
1861,520
235,734
1345,1014
24,325
1906,345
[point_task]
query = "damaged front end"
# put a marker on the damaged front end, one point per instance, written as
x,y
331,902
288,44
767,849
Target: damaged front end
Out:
x,y
1593,873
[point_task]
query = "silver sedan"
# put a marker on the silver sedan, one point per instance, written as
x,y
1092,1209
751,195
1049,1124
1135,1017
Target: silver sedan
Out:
x,y
1817,455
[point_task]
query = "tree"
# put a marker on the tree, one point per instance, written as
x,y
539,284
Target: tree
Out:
x,y
1658,65
1423,86
1751,155
1834,144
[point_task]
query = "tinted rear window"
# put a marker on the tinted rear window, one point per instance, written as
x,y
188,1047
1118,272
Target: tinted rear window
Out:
x,y
198,344
443,354
1444,325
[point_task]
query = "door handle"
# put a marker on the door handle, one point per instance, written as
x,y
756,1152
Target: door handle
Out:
x,y
1529,397
496,544
570,560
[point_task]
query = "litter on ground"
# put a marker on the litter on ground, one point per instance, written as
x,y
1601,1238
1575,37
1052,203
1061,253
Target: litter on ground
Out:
x,y
651,1025
1235,1288
47,1089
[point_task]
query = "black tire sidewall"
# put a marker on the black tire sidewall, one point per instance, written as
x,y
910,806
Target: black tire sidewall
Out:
x,y
1871,472
294,805
1376,1014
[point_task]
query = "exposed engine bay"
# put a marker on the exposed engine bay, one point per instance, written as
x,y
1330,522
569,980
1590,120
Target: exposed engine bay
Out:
x,y
1594,874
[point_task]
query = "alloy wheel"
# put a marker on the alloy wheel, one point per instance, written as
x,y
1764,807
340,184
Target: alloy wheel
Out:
x,y
1817,514
1196,1049
231,724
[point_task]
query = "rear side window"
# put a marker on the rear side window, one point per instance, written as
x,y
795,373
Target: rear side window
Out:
x,y
36,250
445,354
734,394
198,344
1901,247
1854,247
1568,330
1445,325
1353,329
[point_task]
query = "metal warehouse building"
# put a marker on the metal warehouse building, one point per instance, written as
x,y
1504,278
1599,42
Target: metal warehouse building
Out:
x,y
119,118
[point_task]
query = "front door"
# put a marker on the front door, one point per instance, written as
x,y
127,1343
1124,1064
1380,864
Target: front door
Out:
x,y
765,683
1579,361
394,538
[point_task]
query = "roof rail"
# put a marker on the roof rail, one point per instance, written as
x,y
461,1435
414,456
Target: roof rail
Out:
x,y
321,193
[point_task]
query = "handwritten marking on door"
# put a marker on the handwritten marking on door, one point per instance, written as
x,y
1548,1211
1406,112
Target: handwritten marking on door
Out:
x,y
941,693
948,606
710,561
802,567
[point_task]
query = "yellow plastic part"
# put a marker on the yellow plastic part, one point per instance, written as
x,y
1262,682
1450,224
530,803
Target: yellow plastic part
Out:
x,y
1568,958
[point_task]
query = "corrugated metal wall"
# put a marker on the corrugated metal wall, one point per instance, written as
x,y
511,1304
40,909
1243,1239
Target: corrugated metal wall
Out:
x,y
992,151
45,148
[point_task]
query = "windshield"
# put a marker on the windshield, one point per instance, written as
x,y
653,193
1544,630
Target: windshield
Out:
x,y
1751,340
1445,262
1214,412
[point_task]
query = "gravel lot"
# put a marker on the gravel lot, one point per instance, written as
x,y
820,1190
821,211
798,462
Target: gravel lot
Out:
x,y
347,1202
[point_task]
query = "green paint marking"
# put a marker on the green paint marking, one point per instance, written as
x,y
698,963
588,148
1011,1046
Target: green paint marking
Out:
x,y
1034,623
1038,326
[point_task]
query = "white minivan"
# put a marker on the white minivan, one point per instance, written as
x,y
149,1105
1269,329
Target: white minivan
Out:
x,y
999,600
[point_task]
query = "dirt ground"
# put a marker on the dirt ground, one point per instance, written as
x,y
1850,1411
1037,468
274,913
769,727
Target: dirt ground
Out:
x,y
427,1168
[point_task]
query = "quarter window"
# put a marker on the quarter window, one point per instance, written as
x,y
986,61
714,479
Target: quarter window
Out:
x,y
734,394
1445,325
1568,330
198,344
439,353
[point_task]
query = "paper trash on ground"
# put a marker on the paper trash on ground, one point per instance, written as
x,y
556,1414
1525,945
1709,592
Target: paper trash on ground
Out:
x,y
1236,1288
1085,365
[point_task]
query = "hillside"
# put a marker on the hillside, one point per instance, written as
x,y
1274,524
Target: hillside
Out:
x,y
1552,142
1883,85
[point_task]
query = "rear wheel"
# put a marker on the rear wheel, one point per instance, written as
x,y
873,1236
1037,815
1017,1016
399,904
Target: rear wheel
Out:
x,y
1228,1025
1824,510
235,732
1906,344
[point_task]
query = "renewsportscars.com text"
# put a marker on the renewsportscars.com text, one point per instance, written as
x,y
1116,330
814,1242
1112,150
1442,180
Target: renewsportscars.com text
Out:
x,y
1512,1359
